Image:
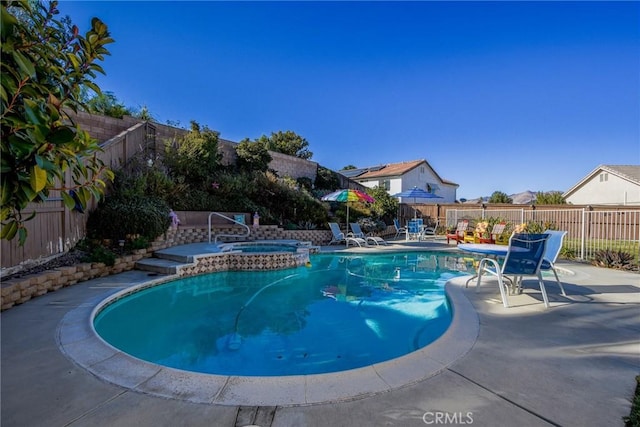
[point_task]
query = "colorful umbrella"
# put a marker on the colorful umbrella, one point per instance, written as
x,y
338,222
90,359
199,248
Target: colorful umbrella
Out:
x,y
348,195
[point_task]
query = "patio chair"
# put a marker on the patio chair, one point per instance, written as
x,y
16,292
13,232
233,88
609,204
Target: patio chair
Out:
x,y
356,231
414,228
459,234
551,253
339,237
497,231
429,231
399,230
524,258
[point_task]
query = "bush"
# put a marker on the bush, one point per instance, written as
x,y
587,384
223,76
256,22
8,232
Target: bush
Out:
x,y
118,217
103,255
370,225
633,420
613,259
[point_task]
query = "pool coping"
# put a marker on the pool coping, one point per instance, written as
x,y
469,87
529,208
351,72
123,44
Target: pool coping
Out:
x,y
78,341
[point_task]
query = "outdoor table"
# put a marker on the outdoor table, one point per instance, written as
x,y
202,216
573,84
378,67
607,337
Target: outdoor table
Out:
x,y
489,249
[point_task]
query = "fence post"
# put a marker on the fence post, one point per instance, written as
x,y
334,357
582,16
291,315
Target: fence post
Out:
x,y
583,234
522,216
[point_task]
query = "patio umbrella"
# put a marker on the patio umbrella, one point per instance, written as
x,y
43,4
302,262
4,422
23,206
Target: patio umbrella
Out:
x,y
416,193
348,195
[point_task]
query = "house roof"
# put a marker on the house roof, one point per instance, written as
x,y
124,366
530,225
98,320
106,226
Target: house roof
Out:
x,y
390,170
628,172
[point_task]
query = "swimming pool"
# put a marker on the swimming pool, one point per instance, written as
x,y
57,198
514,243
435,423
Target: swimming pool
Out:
x,y
343,312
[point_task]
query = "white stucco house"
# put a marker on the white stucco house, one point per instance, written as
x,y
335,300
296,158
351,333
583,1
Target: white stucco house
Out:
x,y
607,185
398,177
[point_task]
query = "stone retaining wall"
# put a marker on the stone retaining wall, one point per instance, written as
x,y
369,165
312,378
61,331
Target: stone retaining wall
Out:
x,y
21,289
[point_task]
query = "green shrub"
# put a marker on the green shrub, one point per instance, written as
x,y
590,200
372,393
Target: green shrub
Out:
x,y
117,218
370,225
633,420
139,243
103,255
567,253
609,258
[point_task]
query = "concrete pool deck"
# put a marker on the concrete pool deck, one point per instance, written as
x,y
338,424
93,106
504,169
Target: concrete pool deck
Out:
x,y
571,364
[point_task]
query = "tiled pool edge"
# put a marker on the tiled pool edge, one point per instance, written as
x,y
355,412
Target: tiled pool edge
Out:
x,y
77,339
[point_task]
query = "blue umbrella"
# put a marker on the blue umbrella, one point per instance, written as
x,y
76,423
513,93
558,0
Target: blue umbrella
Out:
x,y
417,193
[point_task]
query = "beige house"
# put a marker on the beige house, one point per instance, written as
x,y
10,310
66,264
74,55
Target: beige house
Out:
x,y
398,177
607,185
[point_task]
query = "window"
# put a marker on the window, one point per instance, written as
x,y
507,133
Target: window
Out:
x,y
604,177
386,184
429,189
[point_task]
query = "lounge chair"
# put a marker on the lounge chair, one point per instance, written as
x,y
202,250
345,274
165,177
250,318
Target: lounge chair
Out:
x,y
524,258
399,230
356,231
551,253
339,237
459,234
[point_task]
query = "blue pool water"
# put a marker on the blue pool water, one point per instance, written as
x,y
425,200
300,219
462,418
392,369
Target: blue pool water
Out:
x,y
342,312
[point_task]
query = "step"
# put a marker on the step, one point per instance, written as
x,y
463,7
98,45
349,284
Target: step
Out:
x,y
177,257
159,265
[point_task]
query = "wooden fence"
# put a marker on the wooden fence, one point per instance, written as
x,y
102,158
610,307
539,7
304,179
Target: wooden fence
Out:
x,y
56,229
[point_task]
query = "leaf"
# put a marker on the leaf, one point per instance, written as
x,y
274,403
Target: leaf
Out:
x,y
9,230
22,235
62,135
38,178
30,109
5,192
24,63
4,213
68,200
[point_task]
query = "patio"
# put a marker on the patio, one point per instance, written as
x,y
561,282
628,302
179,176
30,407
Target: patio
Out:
x,y
571,364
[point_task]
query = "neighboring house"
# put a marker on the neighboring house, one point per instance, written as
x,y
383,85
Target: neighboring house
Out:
x,y
398,177
607,185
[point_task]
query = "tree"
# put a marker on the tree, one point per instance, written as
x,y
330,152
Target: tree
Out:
x,y
45,64
106,104
500,197
195,157
550,198
385,206
252,156
287,142
348,168
326,179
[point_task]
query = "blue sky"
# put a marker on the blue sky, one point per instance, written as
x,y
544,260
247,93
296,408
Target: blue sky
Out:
x,y
507,96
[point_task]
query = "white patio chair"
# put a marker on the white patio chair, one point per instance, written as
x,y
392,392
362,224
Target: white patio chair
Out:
x,y
356,231
339,236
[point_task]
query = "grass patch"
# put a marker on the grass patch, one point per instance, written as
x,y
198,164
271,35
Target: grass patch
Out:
x,y
633,420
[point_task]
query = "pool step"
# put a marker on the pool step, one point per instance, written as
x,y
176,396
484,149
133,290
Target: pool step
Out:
x,y
159,265
173,256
